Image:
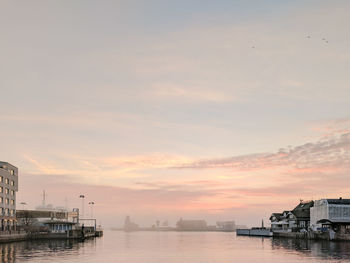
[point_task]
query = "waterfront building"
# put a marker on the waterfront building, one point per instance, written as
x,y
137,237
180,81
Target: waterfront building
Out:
x,y
279,222
59,226
8,189
332,212
302,214
295,220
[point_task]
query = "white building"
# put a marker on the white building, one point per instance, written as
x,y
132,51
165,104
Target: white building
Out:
x,y
331,210
282,222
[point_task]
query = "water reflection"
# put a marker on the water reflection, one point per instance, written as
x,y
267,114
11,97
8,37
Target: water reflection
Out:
x,y
174,247
318,249
7,253
10,252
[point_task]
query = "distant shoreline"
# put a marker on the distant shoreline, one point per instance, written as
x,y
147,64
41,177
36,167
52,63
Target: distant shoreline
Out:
x,y
170,230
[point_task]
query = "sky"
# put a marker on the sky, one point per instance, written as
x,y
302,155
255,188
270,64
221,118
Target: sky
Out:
x,y
213,110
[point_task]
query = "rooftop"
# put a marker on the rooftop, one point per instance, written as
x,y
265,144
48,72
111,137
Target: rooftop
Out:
x,y
302,210
339,201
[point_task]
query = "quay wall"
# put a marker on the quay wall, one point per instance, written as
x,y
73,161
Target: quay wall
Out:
x,y
296,235
254,232
314,235
23,236
13,236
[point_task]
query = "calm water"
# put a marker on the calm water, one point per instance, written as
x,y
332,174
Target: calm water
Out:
x,y
175,247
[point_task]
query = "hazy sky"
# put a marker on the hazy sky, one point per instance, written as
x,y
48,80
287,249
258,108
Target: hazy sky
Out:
x,y
166,109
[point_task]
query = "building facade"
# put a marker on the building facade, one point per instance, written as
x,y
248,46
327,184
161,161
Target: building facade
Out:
x,y
8,189
302,214
282,222
331,210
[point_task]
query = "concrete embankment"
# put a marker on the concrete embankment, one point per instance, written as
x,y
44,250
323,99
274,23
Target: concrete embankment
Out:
x,y
23,236
11,236
305,235
254,232
296,235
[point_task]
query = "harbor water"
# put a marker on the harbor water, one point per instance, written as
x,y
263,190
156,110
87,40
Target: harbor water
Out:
x,y
176,247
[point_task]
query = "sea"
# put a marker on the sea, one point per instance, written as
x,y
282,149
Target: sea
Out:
x,y
175,247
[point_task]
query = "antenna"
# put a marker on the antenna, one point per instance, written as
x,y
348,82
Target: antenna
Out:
x,y
44,198
66,203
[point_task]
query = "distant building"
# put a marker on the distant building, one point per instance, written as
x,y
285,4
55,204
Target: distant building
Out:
x,y
8,189
130,226
191,225
330,211
226,225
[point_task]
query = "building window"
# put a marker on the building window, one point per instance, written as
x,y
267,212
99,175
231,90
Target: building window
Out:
x,y
302,223
1,179
7,211
12,172
7,181
12,212
12,192
12,202
7,201
12,183
1,199
7,191
1,189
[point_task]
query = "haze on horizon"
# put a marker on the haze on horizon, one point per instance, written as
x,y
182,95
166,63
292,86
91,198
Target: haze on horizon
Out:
x,y
165,109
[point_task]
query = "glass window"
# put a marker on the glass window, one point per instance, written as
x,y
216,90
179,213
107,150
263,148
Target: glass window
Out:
x,y
1,189
6,181
12,192
12,182
7,191
1,199
7,201
12,202
7,211
1,179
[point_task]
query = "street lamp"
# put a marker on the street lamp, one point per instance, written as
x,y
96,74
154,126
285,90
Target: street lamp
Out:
x,y
91,206
82,205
